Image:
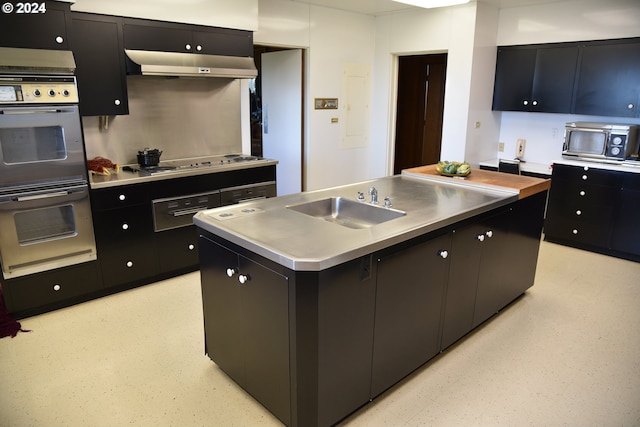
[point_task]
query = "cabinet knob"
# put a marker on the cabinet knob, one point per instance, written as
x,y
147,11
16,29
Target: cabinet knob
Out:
x,y
122,197
125,226
59,40
243,278
489,233
574,231
578,212
630,106
535,102
231,272
583,193
191,247
525,102
584,177
586,168
480,237
187,46
129,264
116,102
57,287
443,254
198,48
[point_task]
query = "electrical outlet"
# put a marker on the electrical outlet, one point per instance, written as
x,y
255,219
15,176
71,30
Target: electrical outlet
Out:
x,y
501,147
520,148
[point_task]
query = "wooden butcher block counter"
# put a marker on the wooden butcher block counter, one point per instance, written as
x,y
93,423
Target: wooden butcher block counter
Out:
x,y
525,186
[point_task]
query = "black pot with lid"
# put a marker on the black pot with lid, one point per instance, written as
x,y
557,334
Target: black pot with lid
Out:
x,y
149,157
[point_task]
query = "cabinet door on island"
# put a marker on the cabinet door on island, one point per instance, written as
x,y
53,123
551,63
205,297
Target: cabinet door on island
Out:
x,y
409,297
246,320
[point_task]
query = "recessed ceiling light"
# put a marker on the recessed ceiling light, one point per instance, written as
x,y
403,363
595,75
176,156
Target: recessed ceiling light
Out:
x,y
428,4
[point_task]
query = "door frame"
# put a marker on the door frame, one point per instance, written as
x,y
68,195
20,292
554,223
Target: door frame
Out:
x,y
393,104
260,48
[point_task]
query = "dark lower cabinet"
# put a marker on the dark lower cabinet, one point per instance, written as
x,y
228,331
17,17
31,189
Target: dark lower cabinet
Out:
x,y
126,250
626,234
345,319
475,274
52,289
177,248
410,288
246,320
314,346
594,209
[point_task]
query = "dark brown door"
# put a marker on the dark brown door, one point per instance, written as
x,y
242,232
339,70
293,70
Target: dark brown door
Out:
x,y
421,80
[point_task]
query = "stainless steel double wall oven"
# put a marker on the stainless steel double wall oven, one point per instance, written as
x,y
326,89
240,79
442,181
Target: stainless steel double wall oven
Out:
x,y
45,213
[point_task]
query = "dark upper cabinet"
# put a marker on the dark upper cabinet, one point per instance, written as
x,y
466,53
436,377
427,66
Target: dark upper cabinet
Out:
x,y
600,78
97,47
535,78
142,34
609,79
31,26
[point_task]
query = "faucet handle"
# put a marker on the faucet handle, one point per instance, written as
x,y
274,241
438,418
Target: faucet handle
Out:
x,y
360,196
387,202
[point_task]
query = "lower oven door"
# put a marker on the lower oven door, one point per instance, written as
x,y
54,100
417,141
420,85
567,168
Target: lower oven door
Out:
x,y
45,228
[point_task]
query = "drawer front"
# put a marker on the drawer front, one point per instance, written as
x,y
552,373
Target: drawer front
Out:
x,y
50,287
127,266
177,249
576,196
126,251
122,226
586,175
119,197
595,234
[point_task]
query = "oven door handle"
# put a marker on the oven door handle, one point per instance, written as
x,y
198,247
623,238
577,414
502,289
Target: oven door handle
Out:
x,y
192,211
22,111
42,196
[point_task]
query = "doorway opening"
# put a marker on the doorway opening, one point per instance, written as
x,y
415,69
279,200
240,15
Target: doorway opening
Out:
x,y
277,113
419,110
255,88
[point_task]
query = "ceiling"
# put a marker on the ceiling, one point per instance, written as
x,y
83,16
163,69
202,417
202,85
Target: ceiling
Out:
x,y
378,7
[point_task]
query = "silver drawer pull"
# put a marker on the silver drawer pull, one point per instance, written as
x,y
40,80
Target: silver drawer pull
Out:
x,y
188,211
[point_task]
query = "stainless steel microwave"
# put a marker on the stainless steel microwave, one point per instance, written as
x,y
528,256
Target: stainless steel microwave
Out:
x,y
600,140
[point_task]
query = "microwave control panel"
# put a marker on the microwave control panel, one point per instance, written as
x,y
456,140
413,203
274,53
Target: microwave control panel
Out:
x,y
22,91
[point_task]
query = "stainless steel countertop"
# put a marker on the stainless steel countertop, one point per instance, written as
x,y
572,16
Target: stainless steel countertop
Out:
x,y
304,243
127,178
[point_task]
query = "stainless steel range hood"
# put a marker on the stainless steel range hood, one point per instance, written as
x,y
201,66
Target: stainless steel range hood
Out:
x,y
36,61
176,64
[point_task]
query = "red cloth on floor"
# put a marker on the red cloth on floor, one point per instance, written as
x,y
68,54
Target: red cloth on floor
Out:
x,y
8,326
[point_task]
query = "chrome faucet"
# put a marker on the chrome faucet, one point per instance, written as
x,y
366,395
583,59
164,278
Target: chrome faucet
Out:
x,y
374,195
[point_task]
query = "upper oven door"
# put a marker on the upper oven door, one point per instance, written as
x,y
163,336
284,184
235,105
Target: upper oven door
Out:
x,y
40,143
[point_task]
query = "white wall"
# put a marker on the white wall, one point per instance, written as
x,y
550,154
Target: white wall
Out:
x,y
469,80
559,22
239,14
332,39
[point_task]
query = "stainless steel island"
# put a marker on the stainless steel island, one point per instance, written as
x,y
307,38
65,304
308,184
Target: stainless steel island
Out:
x,y
315,317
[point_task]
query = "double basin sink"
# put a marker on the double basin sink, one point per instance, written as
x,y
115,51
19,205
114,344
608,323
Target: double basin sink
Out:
x,y
348,213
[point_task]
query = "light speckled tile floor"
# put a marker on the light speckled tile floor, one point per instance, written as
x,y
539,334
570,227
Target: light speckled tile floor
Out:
x,y
565,354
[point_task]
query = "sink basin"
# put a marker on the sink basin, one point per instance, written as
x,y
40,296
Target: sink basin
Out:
x,y
348,213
